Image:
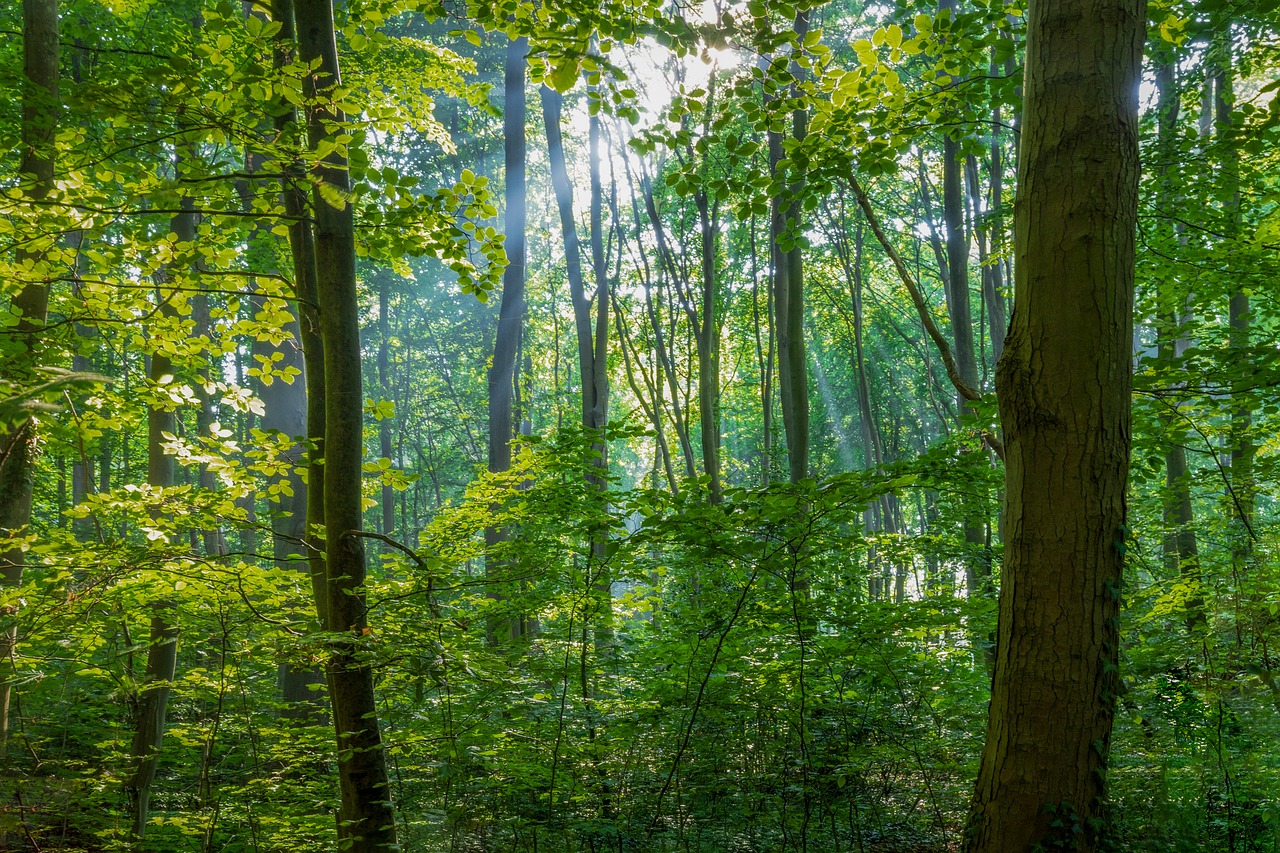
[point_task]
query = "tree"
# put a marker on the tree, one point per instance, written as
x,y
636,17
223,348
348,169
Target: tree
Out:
x,y
31,304
504,374
788,283
1064,389
365,823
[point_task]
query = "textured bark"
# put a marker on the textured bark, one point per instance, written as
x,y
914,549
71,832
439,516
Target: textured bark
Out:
x,y
1064,387
18,441
366,821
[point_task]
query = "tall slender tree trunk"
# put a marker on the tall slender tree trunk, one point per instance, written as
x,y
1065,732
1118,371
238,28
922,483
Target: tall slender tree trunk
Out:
x,y
992,284
18,442
504,374
1243,450
765,352
1180,547
1064,387
151,703
366,821
788,291
303,257
592,338
707,344
152,698
977,565
384,388
285,411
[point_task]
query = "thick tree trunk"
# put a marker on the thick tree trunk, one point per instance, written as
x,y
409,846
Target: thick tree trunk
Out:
x,y
366,822
1064,387
18,442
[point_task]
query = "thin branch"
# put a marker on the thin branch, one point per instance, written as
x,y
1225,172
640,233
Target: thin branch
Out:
x,y
917,298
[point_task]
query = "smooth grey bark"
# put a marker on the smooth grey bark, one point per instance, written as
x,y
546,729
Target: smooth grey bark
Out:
x,y
388,496
706,326
40,47
959,311
591,333
366,820
302,255
504,373
1064,388
1180,547
1239,315
788,289
766,353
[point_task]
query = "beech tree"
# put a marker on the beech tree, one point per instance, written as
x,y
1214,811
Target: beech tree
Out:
x,y
366,821
40,50
786,666
1064,388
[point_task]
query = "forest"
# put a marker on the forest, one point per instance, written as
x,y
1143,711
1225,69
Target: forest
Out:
x,y
729,426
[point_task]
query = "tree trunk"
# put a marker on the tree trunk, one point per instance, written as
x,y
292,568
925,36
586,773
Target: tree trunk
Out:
x,y
1243,489
503,375
977,566
302,252
152,699
788,291
1064,388
707,341
388,521
1180,547
18,442
366,822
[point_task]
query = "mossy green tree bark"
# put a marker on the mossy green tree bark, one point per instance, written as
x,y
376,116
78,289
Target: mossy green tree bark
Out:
x,y
1064,389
